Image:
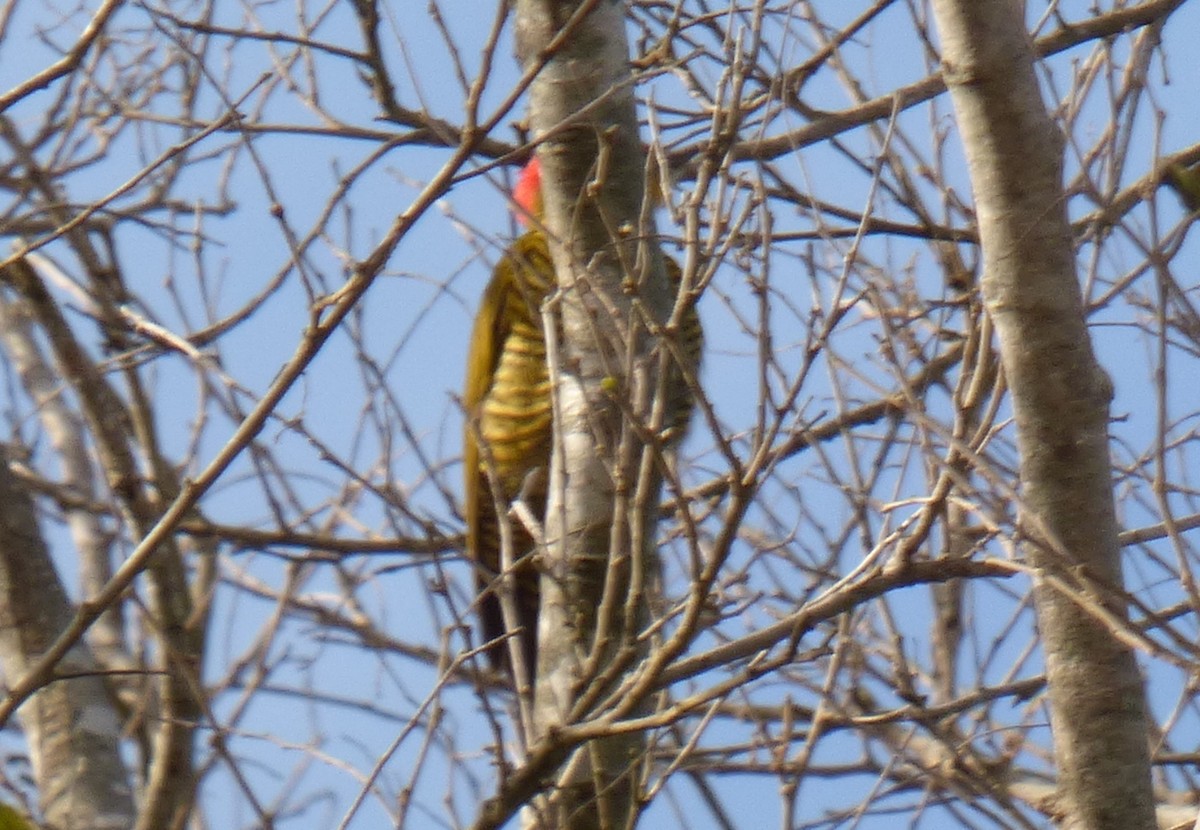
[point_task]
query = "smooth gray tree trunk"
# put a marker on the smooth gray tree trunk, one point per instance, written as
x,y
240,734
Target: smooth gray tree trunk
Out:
x,y
1060,398
70,726
599,524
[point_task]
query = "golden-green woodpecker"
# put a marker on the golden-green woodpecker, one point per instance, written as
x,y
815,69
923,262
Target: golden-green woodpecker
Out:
x,y
507,440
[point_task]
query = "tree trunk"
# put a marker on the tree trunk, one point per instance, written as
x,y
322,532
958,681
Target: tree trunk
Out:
x,y
599,523
1060,399
70,726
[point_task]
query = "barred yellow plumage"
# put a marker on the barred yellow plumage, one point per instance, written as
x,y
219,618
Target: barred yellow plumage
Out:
x,y
507,400
507,441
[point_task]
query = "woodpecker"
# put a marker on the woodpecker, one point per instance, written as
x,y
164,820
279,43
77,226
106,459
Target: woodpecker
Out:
x,y
508,435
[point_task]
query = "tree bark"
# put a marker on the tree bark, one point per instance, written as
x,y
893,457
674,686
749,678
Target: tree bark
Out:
x,y
599,524
70,726
1060,398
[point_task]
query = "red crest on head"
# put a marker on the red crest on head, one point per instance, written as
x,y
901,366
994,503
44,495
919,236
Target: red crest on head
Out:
x,y
528,192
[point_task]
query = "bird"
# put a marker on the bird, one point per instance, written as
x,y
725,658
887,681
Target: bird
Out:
x,y
507,437
1185,181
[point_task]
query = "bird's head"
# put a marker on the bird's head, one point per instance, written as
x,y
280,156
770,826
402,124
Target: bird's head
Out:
x,y
528,193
